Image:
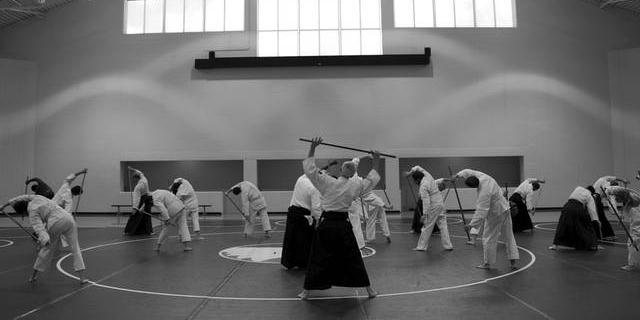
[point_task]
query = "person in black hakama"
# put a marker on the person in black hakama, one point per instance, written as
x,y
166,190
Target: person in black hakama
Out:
x,y
303,211
578,222
139,223
521,203
606,231
335,259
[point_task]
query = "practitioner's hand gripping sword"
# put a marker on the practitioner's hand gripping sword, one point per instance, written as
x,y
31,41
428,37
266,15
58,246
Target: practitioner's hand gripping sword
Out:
x,y
615,211
453,182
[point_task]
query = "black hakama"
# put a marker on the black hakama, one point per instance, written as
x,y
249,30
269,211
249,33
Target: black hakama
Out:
x,y
519,214
139,223
575,228
605,226
298,236
335,259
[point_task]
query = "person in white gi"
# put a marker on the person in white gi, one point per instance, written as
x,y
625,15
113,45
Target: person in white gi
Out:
x,y
356,210
493,209
253,204
374,210
631,212
187,195
433,207
172,211
64,197
49,221
527,190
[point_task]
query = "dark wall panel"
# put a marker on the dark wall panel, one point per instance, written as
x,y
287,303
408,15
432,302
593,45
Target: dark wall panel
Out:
x,y
204,175
281,174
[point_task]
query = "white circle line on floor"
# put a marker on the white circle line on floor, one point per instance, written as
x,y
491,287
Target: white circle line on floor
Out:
x,y
8,243
177,295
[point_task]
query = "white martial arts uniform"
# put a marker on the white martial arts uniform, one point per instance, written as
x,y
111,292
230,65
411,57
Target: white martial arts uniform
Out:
x,y
584,196
50,221
188,196
356,213
253,204
433,210
305,195
142,187
604,182
631,213
525,189
493,208
172,209
374,207
338,194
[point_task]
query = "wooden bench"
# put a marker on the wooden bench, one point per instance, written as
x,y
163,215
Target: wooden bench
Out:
x,y
204,209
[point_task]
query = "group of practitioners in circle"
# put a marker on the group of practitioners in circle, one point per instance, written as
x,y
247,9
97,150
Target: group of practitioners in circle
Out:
x,y
323,228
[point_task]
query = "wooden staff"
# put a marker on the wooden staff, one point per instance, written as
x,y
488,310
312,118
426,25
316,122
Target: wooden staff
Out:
x,y
453,182
75,211
21,227
615,211
239,210
387,196
158,218
349,148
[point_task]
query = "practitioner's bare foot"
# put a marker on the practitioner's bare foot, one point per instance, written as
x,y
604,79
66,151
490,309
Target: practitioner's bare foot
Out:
x,y
471,242
187,247
198,236
82,277
448,249
484,266
304,295
245,235
388,239
628,268
267,234
513,264
419,249
553,247
371,292
157,248
34,276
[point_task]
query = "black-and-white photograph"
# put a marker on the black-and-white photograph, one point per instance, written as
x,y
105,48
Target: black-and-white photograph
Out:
x,y
319,159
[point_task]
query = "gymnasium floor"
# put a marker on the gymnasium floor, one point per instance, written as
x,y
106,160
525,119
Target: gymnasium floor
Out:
x,y
130,281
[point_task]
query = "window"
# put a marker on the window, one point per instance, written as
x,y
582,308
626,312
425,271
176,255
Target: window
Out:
x,y
319,27
454,13
177,16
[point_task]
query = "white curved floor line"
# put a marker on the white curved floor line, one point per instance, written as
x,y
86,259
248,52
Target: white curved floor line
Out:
x,y
8,243
165,294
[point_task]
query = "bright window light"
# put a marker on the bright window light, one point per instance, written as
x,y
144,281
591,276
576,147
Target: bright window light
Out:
x,y
454,13
319,27
134,13
177,16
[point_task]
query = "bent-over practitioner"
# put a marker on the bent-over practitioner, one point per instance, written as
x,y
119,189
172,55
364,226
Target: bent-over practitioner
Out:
x,y
50,222
430,191
183,189
522,203
172,211
606,231
253,204
578,222
493,209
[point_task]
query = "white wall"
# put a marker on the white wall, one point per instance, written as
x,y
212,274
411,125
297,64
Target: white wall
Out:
x,y
540,90
17,125
624,66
